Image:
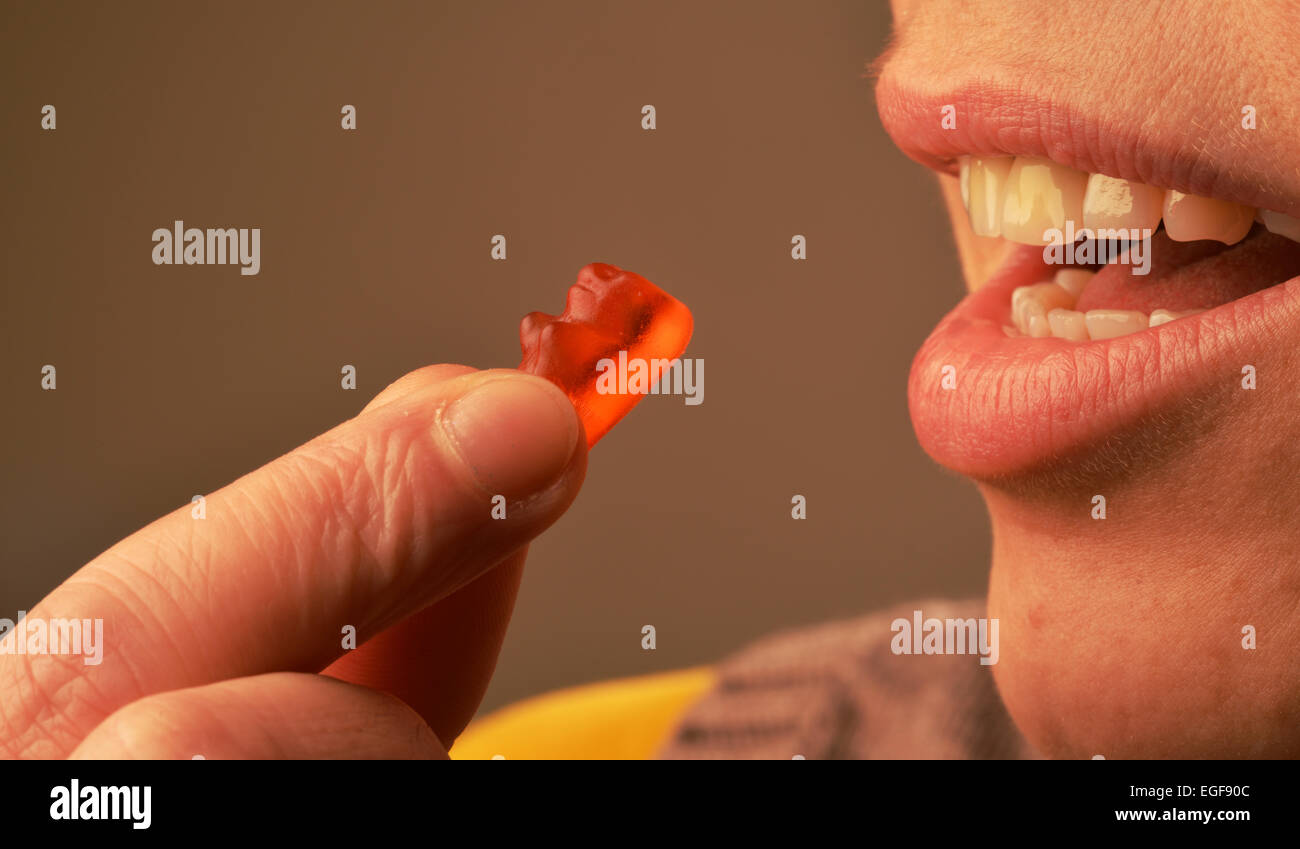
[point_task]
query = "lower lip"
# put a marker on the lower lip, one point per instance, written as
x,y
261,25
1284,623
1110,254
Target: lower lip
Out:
x,y
988,405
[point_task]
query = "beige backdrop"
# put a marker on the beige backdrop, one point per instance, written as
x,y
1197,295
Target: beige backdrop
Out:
x,y
475,119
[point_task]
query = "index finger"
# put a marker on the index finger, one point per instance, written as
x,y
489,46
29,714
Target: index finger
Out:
x,y
362,526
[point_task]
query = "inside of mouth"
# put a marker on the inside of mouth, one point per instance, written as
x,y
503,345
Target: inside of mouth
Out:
x,y
1143,286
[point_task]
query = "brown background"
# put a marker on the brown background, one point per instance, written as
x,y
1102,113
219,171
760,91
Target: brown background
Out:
x,y
475,119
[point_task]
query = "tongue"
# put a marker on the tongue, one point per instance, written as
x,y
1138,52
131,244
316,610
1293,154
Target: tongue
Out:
x,y
1194,275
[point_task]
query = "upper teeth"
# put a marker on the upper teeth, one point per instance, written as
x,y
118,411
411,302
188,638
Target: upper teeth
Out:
x,y
1283,225
1047,309
1021,198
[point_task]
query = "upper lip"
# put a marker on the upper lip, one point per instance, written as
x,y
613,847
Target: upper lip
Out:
x,y
997,119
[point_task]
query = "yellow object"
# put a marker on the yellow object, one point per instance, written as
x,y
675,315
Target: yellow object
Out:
x,y
627,719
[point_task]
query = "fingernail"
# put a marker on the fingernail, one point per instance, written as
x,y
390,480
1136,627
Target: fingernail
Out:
x,y
516,433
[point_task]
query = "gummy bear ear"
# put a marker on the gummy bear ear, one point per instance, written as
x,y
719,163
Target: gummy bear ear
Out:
x,y
599,272
565,352
530,329
584,299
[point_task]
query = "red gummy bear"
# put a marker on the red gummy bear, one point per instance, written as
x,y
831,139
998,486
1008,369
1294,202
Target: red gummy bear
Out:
x,y
608,311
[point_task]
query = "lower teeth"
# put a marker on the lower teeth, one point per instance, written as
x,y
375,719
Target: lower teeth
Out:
x,y
1047,309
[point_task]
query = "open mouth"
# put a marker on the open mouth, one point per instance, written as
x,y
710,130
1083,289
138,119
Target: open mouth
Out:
x,y
1057,351
1164,255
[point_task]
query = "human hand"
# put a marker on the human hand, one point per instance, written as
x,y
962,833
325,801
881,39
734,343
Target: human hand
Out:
x,y
215,630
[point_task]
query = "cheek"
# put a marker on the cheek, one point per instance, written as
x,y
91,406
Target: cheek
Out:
x,y
979,255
